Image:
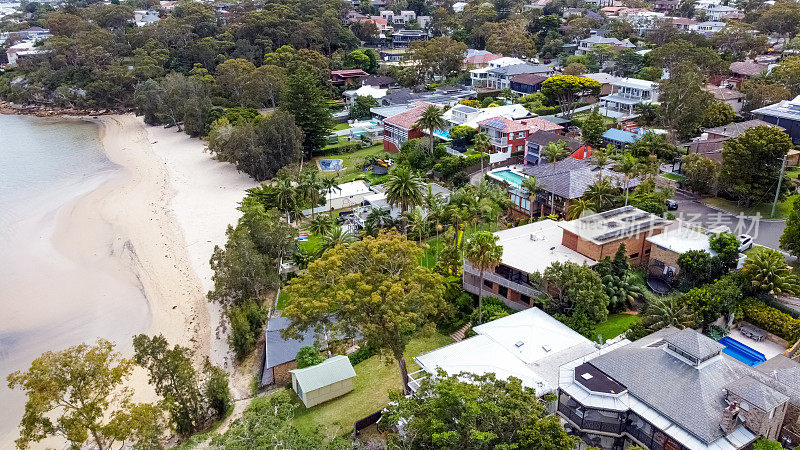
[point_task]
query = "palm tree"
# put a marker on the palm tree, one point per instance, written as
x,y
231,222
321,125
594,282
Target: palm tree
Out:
x,y
484,254
531,184
599,160
404,188
629,167
577,207
329,185
286,196
555,151
378,218
431,119
321,225
418,222
668,311
601,194
336,236
310,188
769,273
482,145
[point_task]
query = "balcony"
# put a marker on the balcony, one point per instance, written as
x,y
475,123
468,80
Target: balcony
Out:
x,y
524,289
586,419
499,142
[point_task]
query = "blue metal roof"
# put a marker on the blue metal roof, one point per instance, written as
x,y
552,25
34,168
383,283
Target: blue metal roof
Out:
x,y
626,137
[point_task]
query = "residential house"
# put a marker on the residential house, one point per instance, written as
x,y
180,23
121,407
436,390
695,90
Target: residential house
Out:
x,y
347,76
507,136
620,138
564,182
603,3
325,381
586,45
404,38
459,6
707,28
605,80
384,27
785,114
143,17
344,196
526,83
642,20
377,200
674,389
666,5
744,70
20,51
625,94
532,248
719,12
280,353
382,82
683,23
364,91
711,142
706,4
499,77
668,246
480,76
467,116
392,55
399,128
539,139
399,20
481,59
613,11
734,99
529,345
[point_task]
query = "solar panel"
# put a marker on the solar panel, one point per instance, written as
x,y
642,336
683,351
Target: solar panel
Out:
x,y
496,123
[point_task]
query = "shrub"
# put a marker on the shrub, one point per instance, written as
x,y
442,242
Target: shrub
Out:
x,y
771,319
492,309
361,355
308,356
247,320
217,391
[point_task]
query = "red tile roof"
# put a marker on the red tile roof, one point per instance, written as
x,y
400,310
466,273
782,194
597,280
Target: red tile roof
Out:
x,y
349,73
483,59
528,78
747,68
407,119
532,124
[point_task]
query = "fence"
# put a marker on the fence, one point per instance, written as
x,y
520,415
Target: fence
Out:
x,y
371,419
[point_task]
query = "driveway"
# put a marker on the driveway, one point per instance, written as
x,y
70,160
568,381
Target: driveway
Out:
x,y
766,232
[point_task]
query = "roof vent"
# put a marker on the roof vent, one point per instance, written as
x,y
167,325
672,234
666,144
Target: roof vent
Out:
x,y
519,344
586,376
546,348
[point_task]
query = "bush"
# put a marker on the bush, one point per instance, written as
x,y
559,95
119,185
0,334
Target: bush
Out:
x,y
308,356
771,319
361,355
247,320
217,391
492,309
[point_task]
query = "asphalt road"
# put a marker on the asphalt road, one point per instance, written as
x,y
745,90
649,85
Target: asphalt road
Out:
x,y
764,232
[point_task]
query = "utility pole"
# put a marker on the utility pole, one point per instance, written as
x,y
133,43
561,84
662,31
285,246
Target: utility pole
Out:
x,y
778,190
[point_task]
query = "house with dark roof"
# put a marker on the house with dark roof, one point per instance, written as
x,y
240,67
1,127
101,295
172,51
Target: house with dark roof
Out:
x,y
785,114
675,389
280,353
499,77
526,83
711,142
347,76
744,70
732,98
539,139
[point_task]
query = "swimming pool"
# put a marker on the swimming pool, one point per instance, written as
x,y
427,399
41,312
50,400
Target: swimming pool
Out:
x,y
742,352
327,165
508,175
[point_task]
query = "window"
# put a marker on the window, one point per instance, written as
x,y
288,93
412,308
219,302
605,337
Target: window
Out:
x,y
634,255
657,263
525,299
488,284
502,290
647,252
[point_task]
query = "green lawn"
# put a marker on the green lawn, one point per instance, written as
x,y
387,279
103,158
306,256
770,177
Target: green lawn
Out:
x,y
673,176
341,126
282,298
351,161
374,378
782,210
312,243
615,325
435,244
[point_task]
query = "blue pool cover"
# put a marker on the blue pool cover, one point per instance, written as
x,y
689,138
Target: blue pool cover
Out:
x,y
330,164
742,352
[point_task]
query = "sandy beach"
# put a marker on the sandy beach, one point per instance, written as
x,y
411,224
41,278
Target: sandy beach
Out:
x,y
147,229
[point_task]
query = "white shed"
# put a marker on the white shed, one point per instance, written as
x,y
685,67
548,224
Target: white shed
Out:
x,y
327,380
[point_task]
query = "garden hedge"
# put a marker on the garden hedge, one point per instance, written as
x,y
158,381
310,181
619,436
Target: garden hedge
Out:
x,y
770,319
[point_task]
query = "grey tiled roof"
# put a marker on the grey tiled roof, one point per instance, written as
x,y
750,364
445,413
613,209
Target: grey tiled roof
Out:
x,y
783,374
517,69
756,393
734,130
570,177
280,350
694,343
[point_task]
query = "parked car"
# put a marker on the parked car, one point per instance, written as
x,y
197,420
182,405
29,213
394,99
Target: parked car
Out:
x,y
672,204
746,242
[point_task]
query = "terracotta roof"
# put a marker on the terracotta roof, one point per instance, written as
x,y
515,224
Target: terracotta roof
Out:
x,y
748,68
721,93
349,73
408,118
528,78
511,126
483,58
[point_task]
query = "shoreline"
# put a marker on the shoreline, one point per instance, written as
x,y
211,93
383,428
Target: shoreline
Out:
x,y
9,108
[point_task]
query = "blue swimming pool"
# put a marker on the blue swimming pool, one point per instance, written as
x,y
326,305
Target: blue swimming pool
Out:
x,y
330,164
742,352
510,176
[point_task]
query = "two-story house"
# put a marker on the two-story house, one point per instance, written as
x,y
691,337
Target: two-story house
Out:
x,y
507,136
626,93
499,77
785,114
586,45
399,128
480,77
707,28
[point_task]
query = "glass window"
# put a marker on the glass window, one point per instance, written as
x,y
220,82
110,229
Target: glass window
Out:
x,y
503,291
488,284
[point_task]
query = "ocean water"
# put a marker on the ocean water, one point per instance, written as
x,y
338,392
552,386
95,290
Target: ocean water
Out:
x,y
50,298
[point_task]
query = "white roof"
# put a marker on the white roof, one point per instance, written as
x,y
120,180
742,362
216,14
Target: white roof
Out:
x,y
368,91
348,189
602,78
682,239
534,254
512,112
505,61
634,83
518,345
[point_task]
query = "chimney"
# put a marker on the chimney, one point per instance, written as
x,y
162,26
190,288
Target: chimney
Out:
x,y
729,415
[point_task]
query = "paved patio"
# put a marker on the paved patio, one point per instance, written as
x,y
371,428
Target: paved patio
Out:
x,y
766,347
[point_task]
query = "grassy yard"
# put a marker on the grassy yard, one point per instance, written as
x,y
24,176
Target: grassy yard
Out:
x,y
673,176
781,211
341,126
435,244
374,378
616,324
351,161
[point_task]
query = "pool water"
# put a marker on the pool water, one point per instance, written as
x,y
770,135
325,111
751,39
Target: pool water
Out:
x,y
742,352
330,164
511,177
